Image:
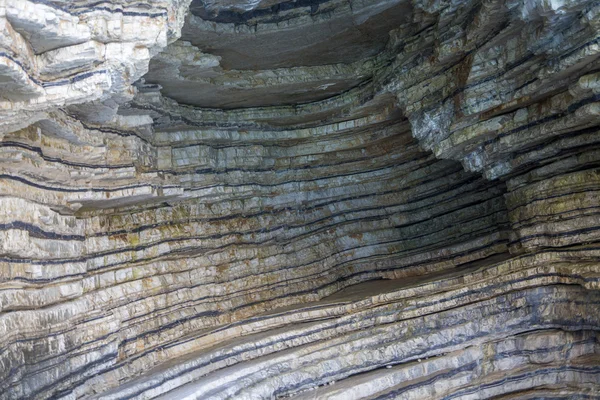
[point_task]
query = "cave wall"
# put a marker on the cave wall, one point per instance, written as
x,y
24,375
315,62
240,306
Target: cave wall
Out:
x,y
376,199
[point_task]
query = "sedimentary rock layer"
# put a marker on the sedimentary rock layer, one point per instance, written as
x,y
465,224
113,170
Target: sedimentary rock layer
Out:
x,y
311,199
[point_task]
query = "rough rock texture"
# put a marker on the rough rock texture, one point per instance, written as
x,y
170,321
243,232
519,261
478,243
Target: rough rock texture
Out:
x,y
315,199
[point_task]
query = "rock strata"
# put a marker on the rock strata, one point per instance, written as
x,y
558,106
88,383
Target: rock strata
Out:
x,y
378,199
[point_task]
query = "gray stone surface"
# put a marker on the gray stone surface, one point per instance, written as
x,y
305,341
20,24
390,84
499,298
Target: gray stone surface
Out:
x,y
309,199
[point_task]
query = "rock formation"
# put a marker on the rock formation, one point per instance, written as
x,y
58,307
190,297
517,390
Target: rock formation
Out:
x,y
314,199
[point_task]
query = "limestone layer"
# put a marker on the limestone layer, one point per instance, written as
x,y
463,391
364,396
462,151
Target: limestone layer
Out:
x,y
378,199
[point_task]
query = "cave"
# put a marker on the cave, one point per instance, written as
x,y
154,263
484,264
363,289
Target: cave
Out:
x,y
303,199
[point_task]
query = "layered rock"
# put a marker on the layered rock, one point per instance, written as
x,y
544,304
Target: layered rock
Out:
x,y
379,199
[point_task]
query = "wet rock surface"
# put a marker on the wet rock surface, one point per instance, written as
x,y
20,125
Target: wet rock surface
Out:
x,y
309,199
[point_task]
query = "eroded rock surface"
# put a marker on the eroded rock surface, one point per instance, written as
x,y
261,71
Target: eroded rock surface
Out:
x,y
314,199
